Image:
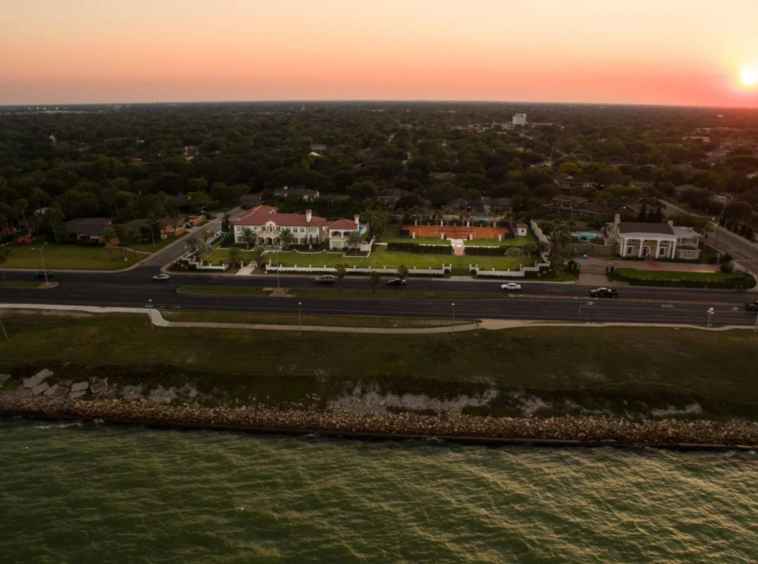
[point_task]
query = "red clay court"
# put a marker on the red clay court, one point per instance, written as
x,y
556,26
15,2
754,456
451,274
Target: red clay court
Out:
x,y
453,232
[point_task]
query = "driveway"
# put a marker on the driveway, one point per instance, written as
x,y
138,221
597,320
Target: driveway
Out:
x,y
592,271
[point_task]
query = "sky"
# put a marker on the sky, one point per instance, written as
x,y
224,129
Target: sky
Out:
x,y
674,52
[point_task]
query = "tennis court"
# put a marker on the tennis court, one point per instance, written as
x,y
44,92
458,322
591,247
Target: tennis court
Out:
x,y
453,232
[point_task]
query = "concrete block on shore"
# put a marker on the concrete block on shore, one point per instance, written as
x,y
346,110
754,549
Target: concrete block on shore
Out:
x,y
99,387
77,395
57,392
3,379
80,387
37,379
42,388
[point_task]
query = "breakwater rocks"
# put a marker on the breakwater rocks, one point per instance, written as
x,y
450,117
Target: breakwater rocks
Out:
x,y
586,429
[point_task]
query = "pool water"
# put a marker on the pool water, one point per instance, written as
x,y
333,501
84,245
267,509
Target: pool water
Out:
x,y
587,235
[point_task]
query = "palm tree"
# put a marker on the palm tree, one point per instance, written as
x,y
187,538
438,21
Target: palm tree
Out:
x,y
354,240
286,238
256,256
235,257
402,273
109,234
375,279
341,271
248,236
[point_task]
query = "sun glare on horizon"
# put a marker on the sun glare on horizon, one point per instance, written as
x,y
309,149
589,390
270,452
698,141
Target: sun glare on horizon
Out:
x,y
749,77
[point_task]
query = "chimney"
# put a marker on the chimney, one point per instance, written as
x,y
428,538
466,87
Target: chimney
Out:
x,y
308,214
357,220
671,222
617,220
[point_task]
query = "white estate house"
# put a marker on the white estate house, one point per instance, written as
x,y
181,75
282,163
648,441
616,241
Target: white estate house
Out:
x,y
267,224
655,240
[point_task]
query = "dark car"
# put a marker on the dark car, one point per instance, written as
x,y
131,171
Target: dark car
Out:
x,y
327,279
396,282
751,306
41,274
604,293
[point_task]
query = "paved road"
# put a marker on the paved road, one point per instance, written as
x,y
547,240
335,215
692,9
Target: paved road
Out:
x,y
537,301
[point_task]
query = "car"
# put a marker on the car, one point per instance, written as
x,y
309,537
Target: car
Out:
x,y
188,225
604,293
326,279
396,282
511,286
44,274
161,277
752,306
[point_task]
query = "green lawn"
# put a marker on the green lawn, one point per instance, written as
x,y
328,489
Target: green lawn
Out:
x,y
307,320
675,275
150,248
10,284
392,235
566,368
63,257
381,257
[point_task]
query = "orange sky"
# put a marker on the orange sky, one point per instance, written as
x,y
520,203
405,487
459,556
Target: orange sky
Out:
x,y
684,52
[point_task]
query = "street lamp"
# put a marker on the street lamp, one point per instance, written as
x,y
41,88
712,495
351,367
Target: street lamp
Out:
x,y
299,324
278,268
150,314
453,326
711,311
756,324
580,314
41,254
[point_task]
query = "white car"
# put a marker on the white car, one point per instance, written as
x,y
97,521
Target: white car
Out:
x,y
161,277
511,287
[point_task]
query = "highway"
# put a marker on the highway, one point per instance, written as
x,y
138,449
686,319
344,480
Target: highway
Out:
x,y
537,301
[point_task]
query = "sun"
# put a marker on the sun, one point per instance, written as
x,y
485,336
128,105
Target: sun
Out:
x,y
749,77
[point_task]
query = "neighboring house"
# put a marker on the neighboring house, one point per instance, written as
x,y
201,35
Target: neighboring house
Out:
x,y
334,197
250,200
655,240
267,224
497,205
522,230
88,228
519,119
390,196
167,227
301,193
567,202
569,183
318,147
444,176
680,190
722,199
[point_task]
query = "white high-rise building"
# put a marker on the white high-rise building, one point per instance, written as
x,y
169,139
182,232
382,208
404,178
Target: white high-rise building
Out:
x,y
519,119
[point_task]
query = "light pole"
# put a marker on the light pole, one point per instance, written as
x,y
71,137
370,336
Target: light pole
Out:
x,y
711,311
756,324
299,324
278,267
3,328
453,326
580,314
150,314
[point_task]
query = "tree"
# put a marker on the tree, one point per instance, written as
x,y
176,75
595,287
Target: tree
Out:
x,y
4,254
52,219
248,236
152,223
109,234
515,252
402,273
354,239
193,245
340,272
375,278
256,256
131,237
235,257
286,238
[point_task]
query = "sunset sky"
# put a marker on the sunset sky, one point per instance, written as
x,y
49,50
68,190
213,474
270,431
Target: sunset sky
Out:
x,y
682,52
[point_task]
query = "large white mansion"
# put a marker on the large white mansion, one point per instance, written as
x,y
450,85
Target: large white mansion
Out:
x,y
655,240
268,224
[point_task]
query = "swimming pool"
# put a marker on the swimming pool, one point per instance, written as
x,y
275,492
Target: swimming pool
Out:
x,y
587,235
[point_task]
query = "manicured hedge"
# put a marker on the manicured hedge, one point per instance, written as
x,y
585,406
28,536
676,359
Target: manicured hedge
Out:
x,y
422,249
738,281
487,251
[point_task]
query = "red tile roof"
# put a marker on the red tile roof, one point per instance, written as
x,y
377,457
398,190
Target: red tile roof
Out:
x,y
263,214
343,224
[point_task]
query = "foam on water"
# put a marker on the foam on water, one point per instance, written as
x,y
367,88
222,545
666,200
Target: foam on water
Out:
x,y
101,493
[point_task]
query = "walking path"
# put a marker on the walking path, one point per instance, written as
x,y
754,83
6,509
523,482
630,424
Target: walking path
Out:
x,y
158,320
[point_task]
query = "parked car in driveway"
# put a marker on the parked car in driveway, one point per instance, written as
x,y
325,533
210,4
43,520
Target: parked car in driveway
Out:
x,y
41,274
161,277
326,279
511,287
604,293
396,282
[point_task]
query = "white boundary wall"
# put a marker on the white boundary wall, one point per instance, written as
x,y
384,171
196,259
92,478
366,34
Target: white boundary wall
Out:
x,y
520,273
446,269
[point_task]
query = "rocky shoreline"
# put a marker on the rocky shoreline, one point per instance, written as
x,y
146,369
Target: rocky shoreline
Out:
x,y
566,430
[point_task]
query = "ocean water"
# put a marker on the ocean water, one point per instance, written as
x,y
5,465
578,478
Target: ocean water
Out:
x,y
89,493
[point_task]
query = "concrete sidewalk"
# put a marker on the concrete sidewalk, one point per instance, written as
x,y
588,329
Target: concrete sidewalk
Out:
x,y
488,324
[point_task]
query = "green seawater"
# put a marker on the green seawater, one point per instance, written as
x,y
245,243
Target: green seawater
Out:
x,y
87,493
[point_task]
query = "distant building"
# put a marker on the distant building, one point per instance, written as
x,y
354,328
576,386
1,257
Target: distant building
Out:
x,y
318,147
519,119
88,228
522,230
390,196
301,193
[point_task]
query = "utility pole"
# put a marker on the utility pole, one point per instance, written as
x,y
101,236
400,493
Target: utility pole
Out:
x,y
756,324
711,311
299,323
453,326
150,314
278,268
6,334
